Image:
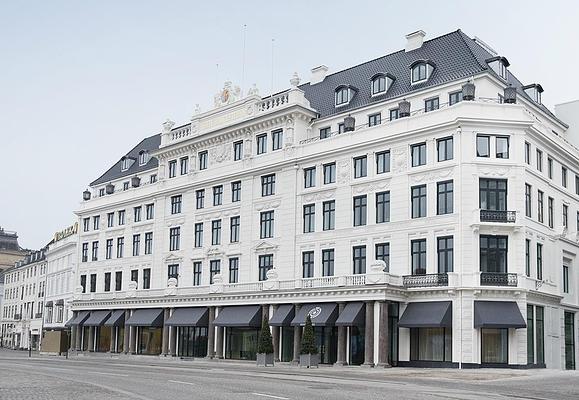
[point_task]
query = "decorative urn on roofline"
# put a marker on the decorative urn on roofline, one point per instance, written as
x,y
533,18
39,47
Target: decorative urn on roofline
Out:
x,y
468,90
110,188
510,96
349,124
404,109
86,195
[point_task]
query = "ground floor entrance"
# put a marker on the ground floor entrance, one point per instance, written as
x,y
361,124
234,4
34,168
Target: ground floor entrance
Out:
x,y
241,343
569,340
191,341
149,340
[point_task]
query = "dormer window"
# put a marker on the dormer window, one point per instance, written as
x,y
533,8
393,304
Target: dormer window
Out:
x,y
499,65
381,83
420,71
534,91
126,163
143,157
342,96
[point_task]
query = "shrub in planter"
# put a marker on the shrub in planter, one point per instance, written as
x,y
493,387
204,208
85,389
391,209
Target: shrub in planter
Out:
x,y
264,345
309,350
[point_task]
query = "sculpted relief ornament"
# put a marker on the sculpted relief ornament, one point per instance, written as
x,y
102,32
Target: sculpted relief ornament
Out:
x,y
228,95
400,159
220,153
344,171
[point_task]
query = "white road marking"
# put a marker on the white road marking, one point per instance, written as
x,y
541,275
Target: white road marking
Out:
x,y
109,373
270,396
184,383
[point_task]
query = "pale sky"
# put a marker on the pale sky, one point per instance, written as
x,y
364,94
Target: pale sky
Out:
x,y
81,83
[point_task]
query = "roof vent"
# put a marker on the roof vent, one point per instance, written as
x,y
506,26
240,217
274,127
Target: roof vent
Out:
x,y
414,40
318,74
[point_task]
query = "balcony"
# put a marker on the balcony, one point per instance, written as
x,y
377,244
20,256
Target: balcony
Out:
x,y
498,279
427,280
498,216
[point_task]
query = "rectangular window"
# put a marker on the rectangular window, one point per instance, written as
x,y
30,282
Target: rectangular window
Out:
x,y
431,104
150,211
550,215
359,260
565,215
502,146
382,207
360,205
445,149
325,132
184,165
564,176
483,146
540,327
96,222
308,264
540,206
238,150
197,273
217,195
530,334
445,251
309,218
493,254
277,139
120,247
233,270
148,242
539,261
265,264
95,251
86,224
173,271
418,256
153,178
262,143
147,278
418,201
383,162
203,155
136,245
174,238
234,229
577,184
83,283
418,154
393,114
121,215
360,167
493,194
527,257
84,252
383,254
328,262
528,200
172,168
107,281
216,232
341,128
374,119
200,199
309,177
235,191
110,219
565,279
455,97
176,204
198,235
444,196
528,153
329,173
266,224
214,269
268,185
329,214
118,280
109,249
137,214
135,275
539,160
550,167
93,278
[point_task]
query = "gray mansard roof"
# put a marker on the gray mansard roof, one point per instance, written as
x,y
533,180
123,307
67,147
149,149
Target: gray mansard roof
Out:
x,y
454,55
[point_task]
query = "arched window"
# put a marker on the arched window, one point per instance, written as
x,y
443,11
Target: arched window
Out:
x,y
342,96
378,84
419,72
143,157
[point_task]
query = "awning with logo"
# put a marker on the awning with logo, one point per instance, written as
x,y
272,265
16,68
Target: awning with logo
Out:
x,y
146,317
239,317
432,314
117,318
97,318
283,316
193,316
321,314
498,314
78,319
354,314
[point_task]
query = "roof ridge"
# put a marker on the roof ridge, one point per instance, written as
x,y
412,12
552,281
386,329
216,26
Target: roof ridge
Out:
x,y
462,36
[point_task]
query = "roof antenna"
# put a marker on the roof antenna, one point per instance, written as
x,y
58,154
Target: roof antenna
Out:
x,y
217,76
272,49
243,60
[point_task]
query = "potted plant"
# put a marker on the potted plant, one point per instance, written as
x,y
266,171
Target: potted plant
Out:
x,y
264,345
309,350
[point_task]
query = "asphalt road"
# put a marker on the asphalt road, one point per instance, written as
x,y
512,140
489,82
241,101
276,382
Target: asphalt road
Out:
x,y
90,377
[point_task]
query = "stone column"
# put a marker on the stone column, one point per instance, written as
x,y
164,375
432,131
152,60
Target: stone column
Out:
x,y
113,338
383,334
369,335
172,339
78,338
90,346
165,338
297,340
275,338
219,340
211,334
341,359
126,335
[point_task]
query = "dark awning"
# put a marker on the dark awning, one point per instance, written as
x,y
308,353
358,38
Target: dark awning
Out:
x,y
354,314
146,317
239,316
498,314
195,316
432,314
117,318
97,318
283,315
79,319
48,304
59,302
322,314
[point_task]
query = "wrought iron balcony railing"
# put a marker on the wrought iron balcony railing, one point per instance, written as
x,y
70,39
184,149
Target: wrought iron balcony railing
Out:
x,y
497,216
427,280
498,279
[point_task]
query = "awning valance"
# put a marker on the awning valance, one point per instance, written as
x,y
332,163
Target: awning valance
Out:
x,y
59,302
117,318
322,314
239,316
283,316
432,314
97,318
146,317
194,316
498,314
353,315
48,304
78,319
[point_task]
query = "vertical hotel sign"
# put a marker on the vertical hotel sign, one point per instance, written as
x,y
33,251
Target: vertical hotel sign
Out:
x,y
71,230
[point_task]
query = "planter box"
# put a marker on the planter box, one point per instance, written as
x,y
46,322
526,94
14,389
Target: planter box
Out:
x,y
309,360
264,359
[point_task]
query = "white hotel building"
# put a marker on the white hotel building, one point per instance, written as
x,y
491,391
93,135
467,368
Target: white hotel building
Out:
x,y
422,207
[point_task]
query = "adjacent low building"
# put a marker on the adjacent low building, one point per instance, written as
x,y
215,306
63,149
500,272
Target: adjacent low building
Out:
x,y
421,208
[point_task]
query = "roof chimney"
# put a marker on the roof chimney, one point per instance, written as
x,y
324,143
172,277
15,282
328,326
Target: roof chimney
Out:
x,y
414,40
318,74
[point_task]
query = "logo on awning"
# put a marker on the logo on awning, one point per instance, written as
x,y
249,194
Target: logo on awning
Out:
x,y
314,312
